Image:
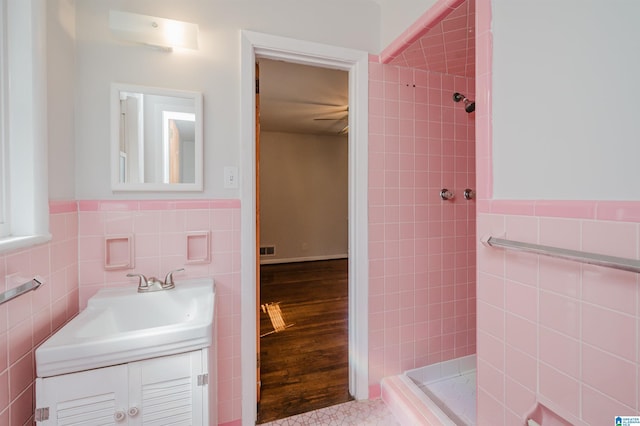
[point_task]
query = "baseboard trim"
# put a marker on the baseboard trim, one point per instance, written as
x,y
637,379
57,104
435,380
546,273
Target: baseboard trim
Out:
x,y
303,259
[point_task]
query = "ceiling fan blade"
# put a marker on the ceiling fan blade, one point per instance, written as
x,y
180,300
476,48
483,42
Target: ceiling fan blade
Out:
x,y
343,117
342,107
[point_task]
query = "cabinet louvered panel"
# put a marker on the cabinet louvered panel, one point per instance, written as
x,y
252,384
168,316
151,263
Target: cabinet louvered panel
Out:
x,y
168,402
85,398
95,410
166,390
159,391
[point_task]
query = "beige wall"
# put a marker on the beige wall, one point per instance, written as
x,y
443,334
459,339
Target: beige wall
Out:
x,y
304,196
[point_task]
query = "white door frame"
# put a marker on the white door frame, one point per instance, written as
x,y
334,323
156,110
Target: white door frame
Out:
x,y
357,64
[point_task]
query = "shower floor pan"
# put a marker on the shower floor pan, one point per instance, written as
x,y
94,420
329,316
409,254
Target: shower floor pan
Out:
x,y
442,394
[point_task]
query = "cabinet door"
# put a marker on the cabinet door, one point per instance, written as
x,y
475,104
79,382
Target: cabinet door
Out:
x,y
93,397
166,391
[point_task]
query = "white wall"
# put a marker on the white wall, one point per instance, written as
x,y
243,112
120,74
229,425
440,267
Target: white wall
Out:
x,y
214,70
304,193
565,99
61,96
397,16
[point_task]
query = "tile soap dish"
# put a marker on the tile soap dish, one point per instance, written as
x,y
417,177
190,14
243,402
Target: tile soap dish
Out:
x,y
118,252
541,415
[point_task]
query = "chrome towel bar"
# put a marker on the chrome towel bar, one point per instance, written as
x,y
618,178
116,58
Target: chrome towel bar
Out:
x,y
631,265
20,290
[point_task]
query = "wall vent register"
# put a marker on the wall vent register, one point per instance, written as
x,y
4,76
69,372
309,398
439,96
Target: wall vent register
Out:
x,y
268,251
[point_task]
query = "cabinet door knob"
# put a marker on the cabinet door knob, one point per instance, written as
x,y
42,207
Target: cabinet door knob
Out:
x,y
133,411
119,416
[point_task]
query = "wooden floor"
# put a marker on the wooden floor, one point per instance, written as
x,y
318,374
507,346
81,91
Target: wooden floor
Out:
x,y
304,367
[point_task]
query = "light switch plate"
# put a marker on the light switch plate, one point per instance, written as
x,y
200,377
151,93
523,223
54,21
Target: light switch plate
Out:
x,y
231,177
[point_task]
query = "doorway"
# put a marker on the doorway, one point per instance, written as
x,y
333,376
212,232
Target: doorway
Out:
x,y
356,63
303,234
304,365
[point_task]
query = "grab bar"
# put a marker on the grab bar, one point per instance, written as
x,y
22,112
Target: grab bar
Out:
x,y
20,290
631,265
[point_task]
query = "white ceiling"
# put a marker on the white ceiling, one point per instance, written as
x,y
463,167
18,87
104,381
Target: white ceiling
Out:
x,y
293,97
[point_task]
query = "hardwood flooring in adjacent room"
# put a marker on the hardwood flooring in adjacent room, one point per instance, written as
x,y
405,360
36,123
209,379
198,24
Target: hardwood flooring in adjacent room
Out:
x,y
305,366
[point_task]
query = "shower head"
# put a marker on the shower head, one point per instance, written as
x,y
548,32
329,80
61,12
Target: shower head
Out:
x,y
469,105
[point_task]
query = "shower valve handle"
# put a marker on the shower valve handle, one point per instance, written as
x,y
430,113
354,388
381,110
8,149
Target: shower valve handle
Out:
x,y
445,194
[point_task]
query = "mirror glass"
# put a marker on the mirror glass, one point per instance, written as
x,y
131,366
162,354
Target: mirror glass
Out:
x,y
156,139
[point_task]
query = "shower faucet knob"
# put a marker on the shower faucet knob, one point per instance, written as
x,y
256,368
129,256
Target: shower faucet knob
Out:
x,y
469,194
445,194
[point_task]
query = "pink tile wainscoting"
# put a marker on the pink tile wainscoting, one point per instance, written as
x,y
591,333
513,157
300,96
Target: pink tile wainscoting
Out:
x,y
76,255
28,320
552,332
564,334
72,267
163,233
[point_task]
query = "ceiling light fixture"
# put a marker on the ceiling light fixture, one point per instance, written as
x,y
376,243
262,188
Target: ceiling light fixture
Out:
x,y
162,33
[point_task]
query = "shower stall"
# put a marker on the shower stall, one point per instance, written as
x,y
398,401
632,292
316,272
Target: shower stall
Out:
x,y
422,222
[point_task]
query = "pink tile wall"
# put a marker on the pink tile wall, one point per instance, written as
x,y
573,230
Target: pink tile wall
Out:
x,y
430,19
554,331
551,331
160,230
28,320
422,249
448,46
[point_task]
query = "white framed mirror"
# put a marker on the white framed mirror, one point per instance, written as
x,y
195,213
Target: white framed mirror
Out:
x,y
156,139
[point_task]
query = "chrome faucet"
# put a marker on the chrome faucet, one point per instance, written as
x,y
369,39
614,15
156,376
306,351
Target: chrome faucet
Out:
x,y
146,285
168,279
153,284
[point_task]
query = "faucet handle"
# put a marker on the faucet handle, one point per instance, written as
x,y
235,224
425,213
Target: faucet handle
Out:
x,y
168,280
142,280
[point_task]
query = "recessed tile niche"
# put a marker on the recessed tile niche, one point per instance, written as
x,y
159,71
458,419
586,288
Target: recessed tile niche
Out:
x,y
118,252
198,247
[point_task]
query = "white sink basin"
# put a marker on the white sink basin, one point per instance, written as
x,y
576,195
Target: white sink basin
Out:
x,y
122,325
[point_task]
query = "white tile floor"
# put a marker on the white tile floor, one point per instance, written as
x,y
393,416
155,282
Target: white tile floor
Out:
x,y
353,413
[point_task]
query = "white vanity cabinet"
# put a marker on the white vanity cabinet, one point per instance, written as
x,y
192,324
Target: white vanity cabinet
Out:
x,y
165,390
